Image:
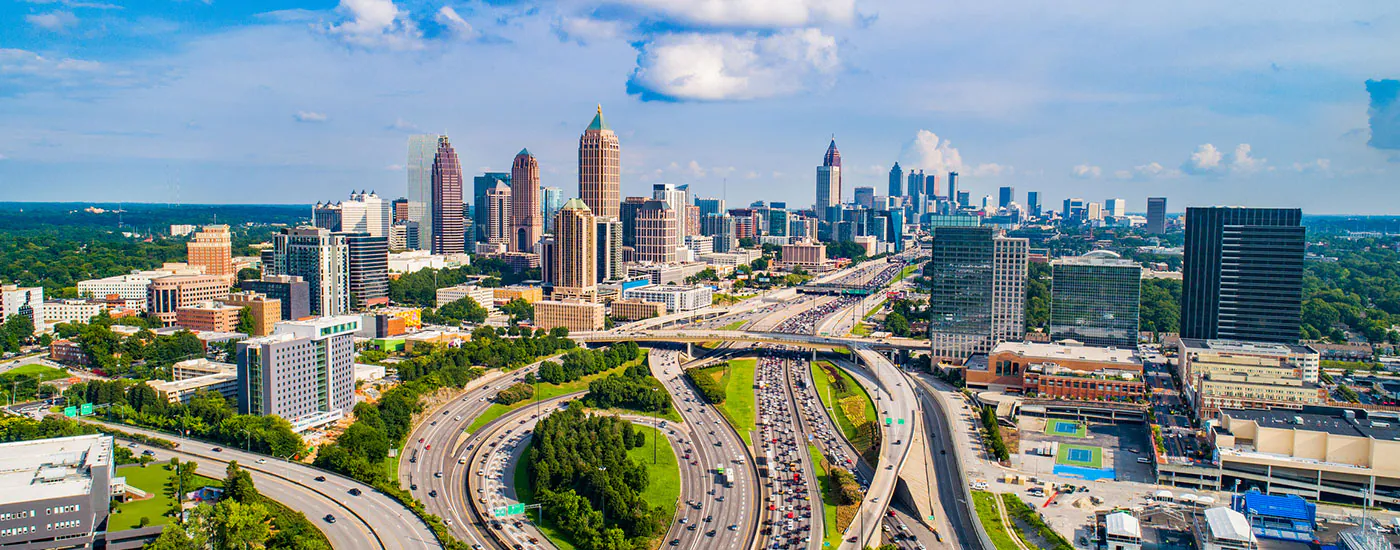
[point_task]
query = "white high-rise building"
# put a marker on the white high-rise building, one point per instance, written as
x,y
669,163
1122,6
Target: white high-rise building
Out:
x,y
676,199
27,301
1115,207
303,372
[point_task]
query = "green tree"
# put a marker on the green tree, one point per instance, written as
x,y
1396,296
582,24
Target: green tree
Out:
x,y
234,525
175,537
181,482
897,324
238,484
519,310
245,321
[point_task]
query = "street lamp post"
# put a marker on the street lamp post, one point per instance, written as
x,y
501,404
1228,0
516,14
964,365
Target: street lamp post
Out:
x,y
603,498
655,437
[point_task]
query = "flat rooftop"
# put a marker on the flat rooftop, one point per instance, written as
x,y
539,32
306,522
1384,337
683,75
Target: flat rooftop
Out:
x,y
52,468
1072,351
1332,423
1237,346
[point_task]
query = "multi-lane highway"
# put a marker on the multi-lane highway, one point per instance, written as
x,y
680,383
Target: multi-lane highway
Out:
x,y
948,456
364,518
792,490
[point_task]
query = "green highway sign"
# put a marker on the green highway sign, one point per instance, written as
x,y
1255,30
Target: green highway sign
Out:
x,y
70,411
901,422
511,510
517,509
888,421
86,409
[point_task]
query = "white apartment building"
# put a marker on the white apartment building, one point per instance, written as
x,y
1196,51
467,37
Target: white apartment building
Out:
x,y
676,298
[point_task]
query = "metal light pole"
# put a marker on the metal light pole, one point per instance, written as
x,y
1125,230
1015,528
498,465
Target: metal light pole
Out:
x,y
603,500
655,438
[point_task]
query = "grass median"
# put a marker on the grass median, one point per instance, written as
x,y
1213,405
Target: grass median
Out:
x,y
997,531
851,406
739,396
548,391
831,532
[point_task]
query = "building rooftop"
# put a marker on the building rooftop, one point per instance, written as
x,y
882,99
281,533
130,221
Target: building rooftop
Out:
x,y
668,288
51,468
1281,506
192,383
1069,349
1123,524
1237,346
1228,524
1333,422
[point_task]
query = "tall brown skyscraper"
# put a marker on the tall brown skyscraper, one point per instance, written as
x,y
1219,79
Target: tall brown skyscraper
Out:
x,y
212,249
657,232
575,252
498,215
448,237
600,168
526,221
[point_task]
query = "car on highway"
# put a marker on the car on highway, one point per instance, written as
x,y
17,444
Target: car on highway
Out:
x,y
354,491
320,478
329,518
217,449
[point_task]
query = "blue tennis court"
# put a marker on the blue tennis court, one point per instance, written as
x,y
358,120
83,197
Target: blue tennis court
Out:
x,y
1081,455
1066,427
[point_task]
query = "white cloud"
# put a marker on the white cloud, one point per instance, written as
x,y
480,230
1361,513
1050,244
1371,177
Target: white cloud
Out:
x,y
403,125
992,169
1143,172
448,18
377,24
695,169
750,13
1210,161
394,167
751,175
585,30
1319,166
310,116
932,154
1086,171
54,21
717,67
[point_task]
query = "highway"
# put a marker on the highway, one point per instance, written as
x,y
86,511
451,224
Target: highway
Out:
x,y
895,401
713,444
367,520
948,456
793,514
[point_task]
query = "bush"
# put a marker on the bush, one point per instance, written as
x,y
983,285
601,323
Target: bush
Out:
x,y
634,389
515,394
704,381
991,434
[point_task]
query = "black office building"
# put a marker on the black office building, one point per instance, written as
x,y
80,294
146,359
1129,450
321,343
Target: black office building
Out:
x,y
1243,274
369,269
293,291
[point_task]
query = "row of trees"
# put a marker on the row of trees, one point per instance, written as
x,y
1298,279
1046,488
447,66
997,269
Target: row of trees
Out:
x,y
991,435
141,355
454,313
704,380
517,392
420,287
578,363
634,389
577,460
242,519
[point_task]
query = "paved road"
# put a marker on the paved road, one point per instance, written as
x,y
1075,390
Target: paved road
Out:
x,y
896,406
951,477
714,444
369,520
793,492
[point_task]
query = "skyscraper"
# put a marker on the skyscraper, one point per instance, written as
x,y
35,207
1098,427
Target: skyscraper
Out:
x,y
422,149
575,252
320,258
498,215
953,187
896,181
368,258
710,206
629,209
865,197
447,235
480,184
305,370
1095,299
915,191
600,168
1006,197
656,232
829,181
212,249
399,207
1156,215
931,187
525,202
1115,207
609,238
363,213
676,199
1033,203
551,200
978,295
1242,274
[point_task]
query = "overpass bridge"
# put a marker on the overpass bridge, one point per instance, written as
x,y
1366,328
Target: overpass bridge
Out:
x,y
692,336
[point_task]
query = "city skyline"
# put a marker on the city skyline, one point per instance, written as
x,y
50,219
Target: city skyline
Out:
x,y
1191,124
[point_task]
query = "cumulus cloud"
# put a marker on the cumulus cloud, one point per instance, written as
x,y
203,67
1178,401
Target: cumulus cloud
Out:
x,y
1086,171
1210,161
992,169
1144,172
310,116
450,20
935,155
376,24
1319,166
748,13
586,30
403,125
1384,113
695,169
54,21
719,67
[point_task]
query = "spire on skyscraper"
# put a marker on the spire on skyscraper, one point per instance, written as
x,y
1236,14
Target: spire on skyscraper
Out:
x,y
833,157
598,123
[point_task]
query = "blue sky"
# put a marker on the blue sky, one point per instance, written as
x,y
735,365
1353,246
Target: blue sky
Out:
x,y
1258,103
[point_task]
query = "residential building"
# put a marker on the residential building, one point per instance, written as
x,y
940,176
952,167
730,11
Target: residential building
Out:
x,y
657,235
530,294
26,301
526,207
978,295
676,198
320,258
1061,371
68,352
551,200
699,244
195,368
447,235
212,250
422,150
266,311
575,252
369,269
180,230
208,317
1220,374
292,293
1242,274
485,297
676,298
68,478
1095,299
166,295
629,209
498,216
829,182
1156,215
404,235
71,311
303,372
807,254
600,168
574,315
631,309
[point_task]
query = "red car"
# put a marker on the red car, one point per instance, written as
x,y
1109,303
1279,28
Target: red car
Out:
x,y
428,447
